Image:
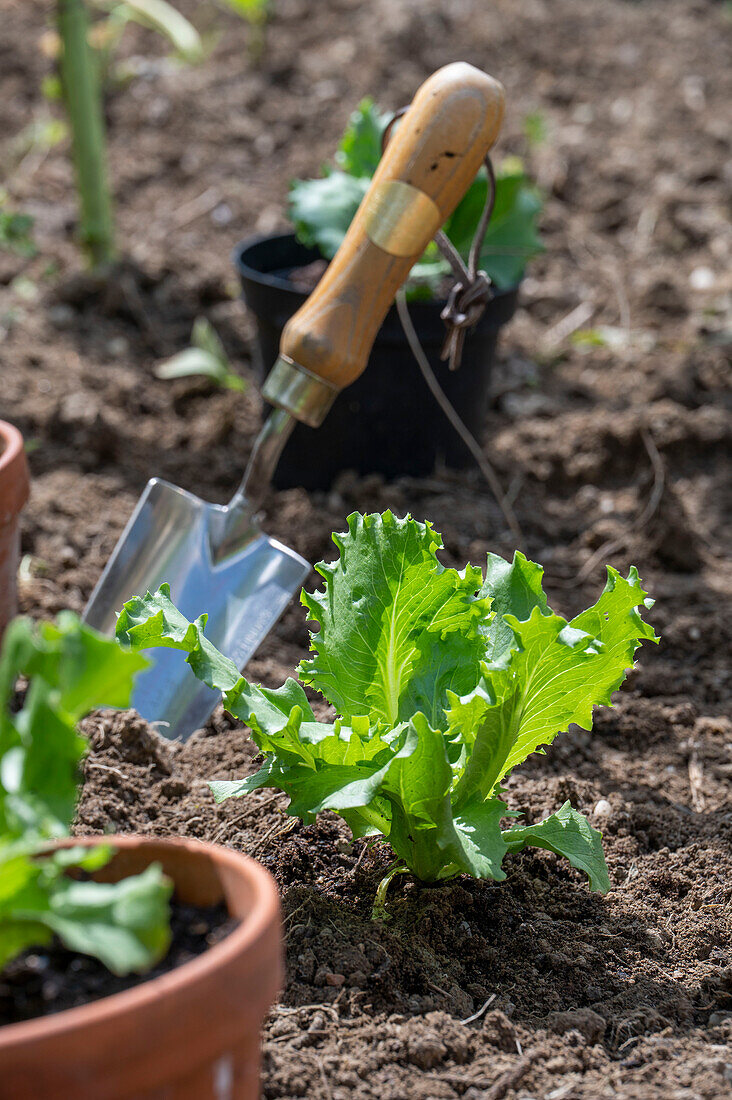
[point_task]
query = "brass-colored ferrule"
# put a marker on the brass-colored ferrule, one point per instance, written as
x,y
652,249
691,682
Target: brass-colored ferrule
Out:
x,y
399,217
302,394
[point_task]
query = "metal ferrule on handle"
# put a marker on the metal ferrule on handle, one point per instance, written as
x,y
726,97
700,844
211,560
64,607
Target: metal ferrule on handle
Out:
x,y
294,388
426,169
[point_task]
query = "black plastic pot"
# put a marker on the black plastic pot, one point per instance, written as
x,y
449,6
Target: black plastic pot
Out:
x,y
387,422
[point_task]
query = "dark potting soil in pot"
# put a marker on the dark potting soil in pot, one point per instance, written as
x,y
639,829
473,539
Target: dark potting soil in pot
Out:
x,y
46,980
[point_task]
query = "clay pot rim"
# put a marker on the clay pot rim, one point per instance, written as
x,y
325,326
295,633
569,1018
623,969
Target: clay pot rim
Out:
x,y
14,480
13,444
242,939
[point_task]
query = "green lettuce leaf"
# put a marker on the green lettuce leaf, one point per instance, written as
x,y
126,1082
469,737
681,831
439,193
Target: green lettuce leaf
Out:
x,y
126,924
482,844
84,668
71,669
39,774
485,730
154,620
359,151
321,210
554,676
387,612
270,711
514,588
319,766
569,834
417,788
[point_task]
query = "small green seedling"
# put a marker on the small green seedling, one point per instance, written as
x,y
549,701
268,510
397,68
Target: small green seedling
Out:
x,y
16,230
535,128
256,13
206,356
158,15
443,682
321,210
69,670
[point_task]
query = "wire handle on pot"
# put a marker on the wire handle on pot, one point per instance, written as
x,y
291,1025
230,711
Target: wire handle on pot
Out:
x,y
470,294
472,290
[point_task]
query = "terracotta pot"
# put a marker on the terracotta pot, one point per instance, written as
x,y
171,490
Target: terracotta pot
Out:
x,y
14,488
191,1034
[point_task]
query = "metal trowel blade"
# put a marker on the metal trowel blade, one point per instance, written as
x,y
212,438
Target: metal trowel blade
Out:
x,y
170,538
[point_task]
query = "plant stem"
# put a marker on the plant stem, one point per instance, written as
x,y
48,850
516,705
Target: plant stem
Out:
x,y
379,908
82,95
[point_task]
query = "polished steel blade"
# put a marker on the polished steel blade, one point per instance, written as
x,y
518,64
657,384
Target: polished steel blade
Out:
x,y
176,537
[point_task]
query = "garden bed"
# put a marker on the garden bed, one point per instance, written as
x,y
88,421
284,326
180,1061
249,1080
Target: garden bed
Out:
x,y
627,996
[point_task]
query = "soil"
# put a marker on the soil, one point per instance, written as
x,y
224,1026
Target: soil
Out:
x,y
51,979
612,450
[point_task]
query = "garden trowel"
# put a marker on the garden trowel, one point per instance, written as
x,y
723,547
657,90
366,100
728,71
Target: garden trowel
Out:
x,y
216,558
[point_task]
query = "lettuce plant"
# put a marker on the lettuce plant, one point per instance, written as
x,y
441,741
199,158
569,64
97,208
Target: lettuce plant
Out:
x,y
443,682
321,210
70,669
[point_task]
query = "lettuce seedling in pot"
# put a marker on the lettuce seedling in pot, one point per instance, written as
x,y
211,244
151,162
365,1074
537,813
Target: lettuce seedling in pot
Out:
x,y
69,670
321,210
443,680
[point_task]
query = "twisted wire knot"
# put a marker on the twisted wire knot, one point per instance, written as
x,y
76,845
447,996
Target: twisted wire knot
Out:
x,y
472,291
464,308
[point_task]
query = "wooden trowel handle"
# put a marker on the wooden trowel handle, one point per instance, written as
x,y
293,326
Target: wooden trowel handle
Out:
x,y
426,169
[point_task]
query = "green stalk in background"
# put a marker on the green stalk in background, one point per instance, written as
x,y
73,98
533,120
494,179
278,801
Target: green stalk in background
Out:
x,y
80,82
